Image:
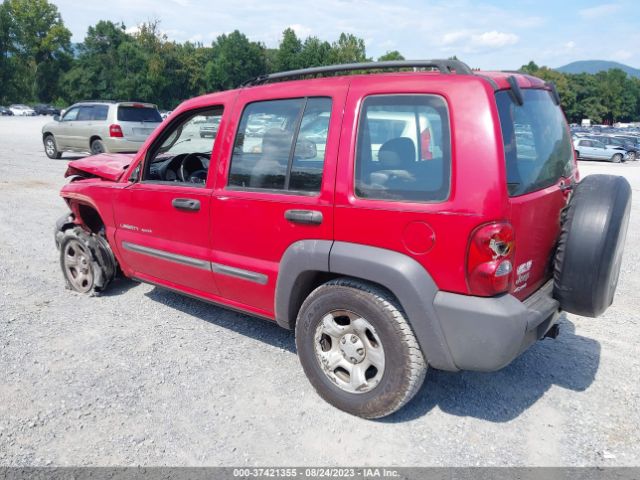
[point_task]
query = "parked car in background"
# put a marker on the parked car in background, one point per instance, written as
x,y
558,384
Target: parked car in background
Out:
x,y
613,143
165,113
45,109
100,127
210,127
5,112
591,149
22,110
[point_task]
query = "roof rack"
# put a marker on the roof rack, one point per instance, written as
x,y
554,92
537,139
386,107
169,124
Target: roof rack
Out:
x,y
443,66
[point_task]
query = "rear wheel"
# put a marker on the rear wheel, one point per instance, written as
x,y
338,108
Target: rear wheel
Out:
x,y
589,253
357,348
97,147
50,148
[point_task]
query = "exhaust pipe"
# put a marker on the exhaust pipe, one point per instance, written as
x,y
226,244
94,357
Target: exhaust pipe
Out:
x,y
553,332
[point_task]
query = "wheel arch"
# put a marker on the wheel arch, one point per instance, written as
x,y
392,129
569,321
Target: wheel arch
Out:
x,y
307,264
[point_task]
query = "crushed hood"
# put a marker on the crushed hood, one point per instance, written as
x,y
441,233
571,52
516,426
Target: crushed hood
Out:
x,y
108,166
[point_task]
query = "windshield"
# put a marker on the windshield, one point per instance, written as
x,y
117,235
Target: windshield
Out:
x,y
536,139
138,114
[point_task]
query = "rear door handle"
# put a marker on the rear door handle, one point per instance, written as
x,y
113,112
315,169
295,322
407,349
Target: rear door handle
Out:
x,y
186,204
306,217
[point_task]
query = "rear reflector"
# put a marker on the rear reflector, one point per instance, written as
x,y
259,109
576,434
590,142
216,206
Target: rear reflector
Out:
x,y
115,131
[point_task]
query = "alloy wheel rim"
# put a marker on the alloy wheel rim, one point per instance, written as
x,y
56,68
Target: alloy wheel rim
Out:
x,y
77,266
49,147
349,351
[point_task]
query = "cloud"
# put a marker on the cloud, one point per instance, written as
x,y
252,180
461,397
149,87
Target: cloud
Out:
x,y
495,39
599,10
570,45
300,30
622,55
471,41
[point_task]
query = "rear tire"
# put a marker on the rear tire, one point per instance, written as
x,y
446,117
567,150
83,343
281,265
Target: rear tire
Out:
x,y
50,147
591,243
97,147
357,348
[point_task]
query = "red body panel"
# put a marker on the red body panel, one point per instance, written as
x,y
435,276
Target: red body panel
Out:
x,y
247,230
109,166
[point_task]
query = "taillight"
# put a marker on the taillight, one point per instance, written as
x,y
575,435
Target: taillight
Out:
x,y
115,131
490,259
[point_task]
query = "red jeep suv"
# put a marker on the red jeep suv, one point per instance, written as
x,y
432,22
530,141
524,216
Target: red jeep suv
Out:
x,y
426,215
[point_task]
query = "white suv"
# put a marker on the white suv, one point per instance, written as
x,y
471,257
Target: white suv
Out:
x,y
100,127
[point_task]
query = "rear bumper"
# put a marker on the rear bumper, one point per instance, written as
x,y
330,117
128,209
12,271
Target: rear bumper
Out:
x,y
121,145
486,334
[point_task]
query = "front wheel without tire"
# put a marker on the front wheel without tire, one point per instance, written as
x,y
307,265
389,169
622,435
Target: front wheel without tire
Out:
x,y
357,348
87,262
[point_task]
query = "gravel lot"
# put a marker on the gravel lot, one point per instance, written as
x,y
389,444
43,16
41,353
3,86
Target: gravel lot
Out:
x,y
142,376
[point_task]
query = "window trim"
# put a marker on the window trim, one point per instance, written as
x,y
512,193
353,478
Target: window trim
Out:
x,y
357,142
285,190
164,134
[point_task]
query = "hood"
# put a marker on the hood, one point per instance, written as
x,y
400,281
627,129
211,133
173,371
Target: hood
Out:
x,y
108,166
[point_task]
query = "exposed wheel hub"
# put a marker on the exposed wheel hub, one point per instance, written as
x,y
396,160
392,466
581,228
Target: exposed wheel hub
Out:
x,y
352,348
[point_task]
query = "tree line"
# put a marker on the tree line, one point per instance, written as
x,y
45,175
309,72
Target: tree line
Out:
x,y
39,63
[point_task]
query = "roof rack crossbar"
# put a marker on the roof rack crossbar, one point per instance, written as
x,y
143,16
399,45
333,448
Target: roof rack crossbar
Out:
x,y
443,66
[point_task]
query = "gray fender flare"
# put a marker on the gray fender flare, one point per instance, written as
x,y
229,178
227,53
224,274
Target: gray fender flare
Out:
x,y
399,273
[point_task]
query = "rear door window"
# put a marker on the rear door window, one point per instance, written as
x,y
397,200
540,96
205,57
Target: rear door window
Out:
x,y
536,140
100,112
138,114
280,145
404,149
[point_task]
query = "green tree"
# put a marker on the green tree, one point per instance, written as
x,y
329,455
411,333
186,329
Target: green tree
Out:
x,y
98,66
235,59
315,53
392,55
288,54
39,47
348,49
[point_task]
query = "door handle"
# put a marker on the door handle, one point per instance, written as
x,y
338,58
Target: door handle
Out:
x,y
186,204
306,217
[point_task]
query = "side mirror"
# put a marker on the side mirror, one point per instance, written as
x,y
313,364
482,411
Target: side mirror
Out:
x,y
135,175
56,118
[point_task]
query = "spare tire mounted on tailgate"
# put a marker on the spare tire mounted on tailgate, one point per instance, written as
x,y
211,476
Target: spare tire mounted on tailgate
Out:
x,y
589,253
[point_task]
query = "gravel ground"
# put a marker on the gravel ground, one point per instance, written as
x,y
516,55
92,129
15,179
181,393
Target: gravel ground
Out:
x,y
142,376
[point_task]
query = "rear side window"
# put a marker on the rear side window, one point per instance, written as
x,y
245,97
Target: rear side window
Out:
x,y
280,145
85,114
138,114
404,149
100,112
536,139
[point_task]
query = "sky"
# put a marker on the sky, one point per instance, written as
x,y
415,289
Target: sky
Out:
x,y
490,34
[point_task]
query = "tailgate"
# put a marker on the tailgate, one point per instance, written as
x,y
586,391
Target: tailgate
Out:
x,y
539,159
138,120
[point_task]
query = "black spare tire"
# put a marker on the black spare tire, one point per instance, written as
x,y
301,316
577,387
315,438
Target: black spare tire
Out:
x,y
589,253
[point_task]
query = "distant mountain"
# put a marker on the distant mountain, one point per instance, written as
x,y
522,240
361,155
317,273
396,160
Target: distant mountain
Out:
x,y
595,66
